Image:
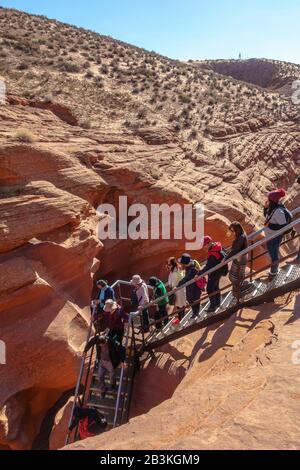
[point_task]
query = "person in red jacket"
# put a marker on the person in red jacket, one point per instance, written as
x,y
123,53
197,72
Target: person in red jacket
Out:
x,y
90,422
215,257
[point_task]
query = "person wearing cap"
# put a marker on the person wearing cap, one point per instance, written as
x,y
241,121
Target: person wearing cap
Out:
x,y
140,298
193,292
115,319
277,217
215,257
159,290
110,355
105,292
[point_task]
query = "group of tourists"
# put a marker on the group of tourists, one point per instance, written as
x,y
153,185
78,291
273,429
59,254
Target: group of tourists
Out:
x,y
186,282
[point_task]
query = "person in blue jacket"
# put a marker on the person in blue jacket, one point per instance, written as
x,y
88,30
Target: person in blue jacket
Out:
x,y
193,292
105,293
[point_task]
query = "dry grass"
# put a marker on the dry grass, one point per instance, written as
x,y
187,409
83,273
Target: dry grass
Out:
x,y
25,136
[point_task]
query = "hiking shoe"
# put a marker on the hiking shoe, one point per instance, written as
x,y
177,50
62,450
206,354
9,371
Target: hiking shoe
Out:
x,y
103,394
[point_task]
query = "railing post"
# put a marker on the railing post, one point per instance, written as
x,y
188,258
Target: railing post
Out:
x,y
251,262
122,376
239,282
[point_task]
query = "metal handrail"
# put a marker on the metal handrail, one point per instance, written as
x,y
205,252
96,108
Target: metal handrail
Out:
x,y
239,255
76,396
83,360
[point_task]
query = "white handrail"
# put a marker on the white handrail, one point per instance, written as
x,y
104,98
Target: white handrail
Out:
x,y
259,243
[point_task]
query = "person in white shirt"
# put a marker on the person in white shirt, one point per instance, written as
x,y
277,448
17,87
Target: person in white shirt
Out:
x,y
276,219
140,292
175,276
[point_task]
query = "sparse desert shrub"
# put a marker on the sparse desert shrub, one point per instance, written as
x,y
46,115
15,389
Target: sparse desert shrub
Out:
x,y
23,66
200,146
89,74
25,136
142,113
104,69
69,67
184,98
86,124
193,134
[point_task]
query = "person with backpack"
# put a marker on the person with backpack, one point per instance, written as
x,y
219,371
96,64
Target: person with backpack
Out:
x,y
159,290
105,292
110,355
90,422
237,272
193,291
277,217
115,320
139,299
175,276
216,256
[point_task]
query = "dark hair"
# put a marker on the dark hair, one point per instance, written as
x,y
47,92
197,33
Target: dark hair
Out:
x,y
102,283
237,228
153,281
173,262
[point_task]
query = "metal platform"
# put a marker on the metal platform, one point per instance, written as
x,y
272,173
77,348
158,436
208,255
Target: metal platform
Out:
x,y
264,290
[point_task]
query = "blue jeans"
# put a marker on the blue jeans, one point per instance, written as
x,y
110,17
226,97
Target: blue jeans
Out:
x,y
273,249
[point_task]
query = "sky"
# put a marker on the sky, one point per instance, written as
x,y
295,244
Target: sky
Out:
x,y
186,29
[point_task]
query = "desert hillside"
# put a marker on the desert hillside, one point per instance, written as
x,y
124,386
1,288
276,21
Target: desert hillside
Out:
x,y
272,75
85,120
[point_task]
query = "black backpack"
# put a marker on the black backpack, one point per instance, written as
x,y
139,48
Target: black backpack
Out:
x,y
224,270
134,299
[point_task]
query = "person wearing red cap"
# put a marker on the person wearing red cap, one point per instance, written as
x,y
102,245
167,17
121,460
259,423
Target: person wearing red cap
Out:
x,y
277,217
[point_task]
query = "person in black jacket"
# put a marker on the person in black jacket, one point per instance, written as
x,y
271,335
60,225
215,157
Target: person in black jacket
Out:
x,y
215,257
90,422
193,292
110,355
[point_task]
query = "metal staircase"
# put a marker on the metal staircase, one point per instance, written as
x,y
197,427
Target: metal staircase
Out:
x,y
116,405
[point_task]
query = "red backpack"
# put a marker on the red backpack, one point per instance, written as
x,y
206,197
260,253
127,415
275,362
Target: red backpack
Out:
x,y
84,425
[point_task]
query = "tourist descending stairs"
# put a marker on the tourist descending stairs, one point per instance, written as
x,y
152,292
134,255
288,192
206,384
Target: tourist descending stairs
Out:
x,y
116,405
264,290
